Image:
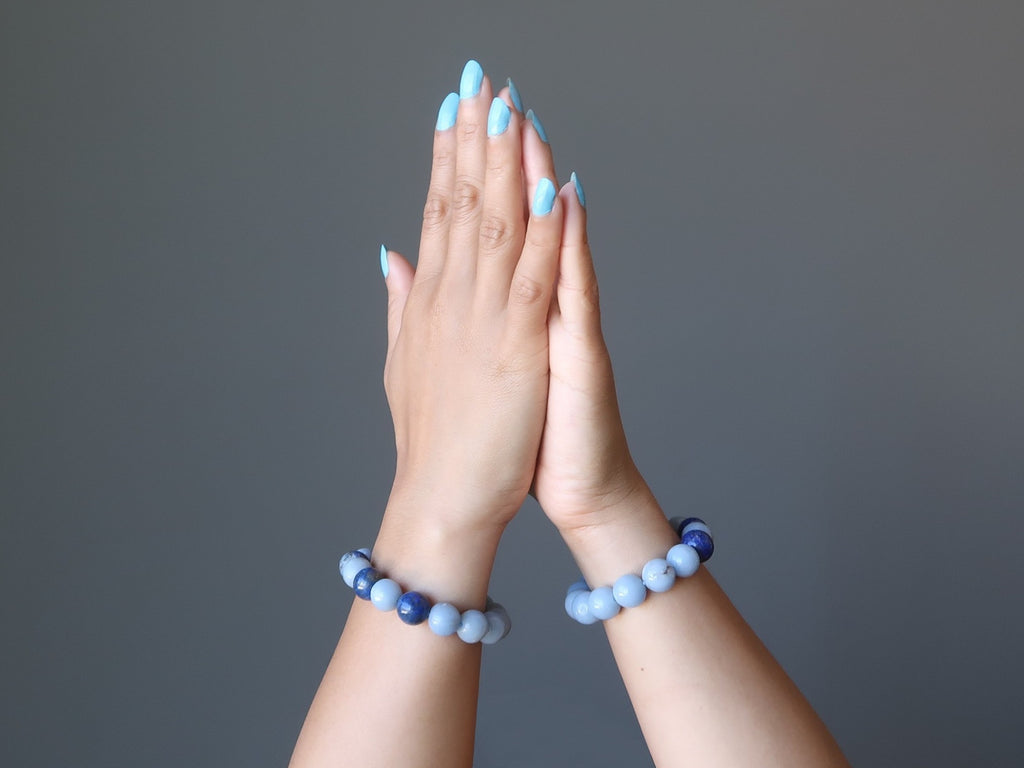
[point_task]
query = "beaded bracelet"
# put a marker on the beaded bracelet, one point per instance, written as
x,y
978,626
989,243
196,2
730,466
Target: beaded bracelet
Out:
x,y
658,575
487,626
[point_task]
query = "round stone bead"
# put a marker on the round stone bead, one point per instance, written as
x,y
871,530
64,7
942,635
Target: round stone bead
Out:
x,y
629,590
473,626
365,551
681,522
684,559
352,566
384,594
349,555
695,526
413,608
581,608
364,581
658,575
444,619
571,598
602,604
496,627
701,542
578,585
499,609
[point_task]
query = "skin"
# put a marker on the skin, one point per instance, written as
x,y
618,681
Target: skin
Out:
x,y
499,380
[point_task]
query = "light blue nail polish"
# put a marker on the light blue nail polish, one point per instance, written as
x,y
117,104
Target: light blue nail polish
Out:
x,y
580,194
513,94
384,260
448,112
498,117
472,77
532,117
544,197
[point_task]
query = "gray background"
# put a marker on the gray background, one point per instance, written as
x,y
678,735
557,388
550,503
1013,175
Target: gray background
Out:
x,y
807,222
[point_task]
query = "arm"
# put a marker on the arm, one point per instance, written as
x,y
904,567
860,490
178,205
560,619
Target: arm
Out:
x,y
705,690
466,377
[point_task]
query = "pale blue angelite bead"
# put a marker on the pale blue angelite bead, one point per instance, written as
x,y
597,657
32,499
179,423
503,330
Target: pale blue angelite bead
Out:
x,y
384,594
602,604
473,626
581,608
696,525
577,585
629,590
569,600
351,567
499,610
658,575
444,619
496,628
365,551
684,559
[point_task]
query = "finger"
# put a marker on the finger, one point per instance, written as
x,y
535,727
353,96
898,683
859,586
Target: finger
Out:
x,y
529,296
576,291
398,277
538,162
438,208
502,227
470,171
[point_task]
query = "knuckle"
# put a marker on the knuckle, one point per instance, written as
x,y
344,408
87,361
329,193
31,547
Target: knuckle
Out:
x,y
495,232
467,199
436,210
444,157
525,290
467,130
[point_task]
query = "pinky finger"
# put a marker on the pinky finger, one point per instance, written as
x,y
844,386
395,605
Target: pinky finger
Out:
x,y
398,276
577,282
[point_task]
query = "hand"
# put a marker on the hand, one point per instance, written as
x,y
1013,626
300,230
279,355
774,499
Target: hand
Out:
x,y
466,373
584,469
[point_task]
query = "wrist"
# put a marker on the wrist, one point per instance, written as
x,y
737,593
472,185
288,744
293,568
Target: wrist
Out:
x,y
621,539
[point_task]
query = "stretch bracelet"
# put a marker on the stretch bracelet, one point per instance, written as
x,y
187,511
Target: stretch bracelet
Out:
x,y
658,575
487,626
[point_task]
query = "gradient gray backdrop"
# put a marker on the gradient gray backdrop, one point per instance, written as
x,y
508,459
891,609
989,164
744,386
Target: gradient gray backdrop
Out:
x,y
807,224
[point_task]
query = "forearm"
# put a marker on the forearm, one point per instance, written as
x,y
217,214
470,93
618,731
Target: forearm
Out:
x,y
705,689
395,694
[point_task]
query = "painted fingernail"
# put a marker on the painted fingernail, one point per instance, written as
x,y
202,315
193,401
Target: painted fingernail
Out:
x,y
384,260
472,77
448,112
580,194
544,197
513,93
532,117
498,117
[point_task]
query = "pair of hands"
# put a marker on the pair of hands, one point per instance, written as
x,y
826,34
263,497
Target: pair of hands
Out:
x,y
497,373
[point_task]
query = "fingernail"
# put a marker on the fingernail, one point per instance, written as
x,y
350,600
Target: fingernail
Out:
x,y
513,94
472,77
580,194
498,117
384,260
448,112
532,117
544,197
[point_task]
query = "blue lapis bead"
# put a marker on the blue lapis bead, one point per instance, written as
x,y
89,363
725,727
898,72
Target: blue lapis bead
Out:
x,y
413,608
629,590
701,542
384,594
658,575
473,626
364,581
684,559
352,566
602,604
444,619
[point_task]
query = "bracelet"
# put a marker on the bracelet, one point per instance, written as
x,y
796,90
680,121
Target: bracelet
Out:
x,y
487,626
658,575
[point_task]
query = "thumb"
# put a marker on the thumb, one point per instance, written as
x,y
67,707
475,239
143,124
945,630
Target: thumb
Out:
x,y
398,274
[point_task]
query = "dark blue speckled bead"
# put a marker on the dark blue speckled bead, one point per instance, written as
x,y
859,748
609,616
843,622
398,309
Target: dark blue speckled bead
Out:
x,y
701,542
413,608
364,581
